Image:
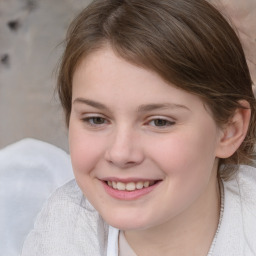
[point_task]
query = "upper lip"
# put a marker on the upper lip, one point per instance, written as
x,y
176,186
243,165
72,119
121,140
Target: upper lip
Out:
x,y
126,180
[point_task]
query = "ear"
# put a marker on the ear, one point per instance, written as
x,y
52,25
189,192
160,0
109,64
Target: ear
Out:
x,y
235,131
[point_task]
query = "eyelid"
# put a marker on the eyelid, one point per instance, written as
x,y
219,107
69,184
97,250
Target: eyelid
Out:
x,y
86,120
167,118
171,121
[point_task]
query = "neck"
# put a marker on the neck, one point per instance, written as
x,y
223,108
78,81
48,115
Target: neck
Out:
x,y
191,233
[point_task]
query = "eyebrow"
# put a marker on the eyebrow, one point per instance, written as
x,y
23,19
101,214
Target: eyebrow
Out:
x,y
91,103
151,107
142,108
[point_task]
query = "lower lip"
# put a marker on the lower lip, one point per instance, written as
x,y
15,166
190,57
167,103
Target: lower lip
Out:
x,y
128,195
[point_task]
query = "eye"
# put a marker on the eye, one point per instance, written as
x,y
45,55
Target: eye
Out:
x,y
95,120
160,122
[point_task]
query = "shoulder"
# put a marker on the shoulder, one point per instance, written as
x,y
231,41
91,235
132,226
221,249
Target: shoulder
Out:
x,y
241,193
237,234
247,176
244,185
68,195
67,225
246,190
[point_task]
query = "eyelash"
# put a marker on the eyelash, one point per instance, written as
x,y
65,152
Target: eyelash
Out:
x,y
91,121
99,121
164,123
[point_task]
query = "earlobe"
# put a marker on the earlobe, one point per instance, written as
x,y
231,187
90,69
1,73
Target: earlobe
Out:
x,y
235,131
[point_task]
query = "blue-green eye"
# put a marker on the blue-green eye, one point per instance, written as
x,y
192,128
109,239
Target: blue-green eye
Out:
x,y
95,120
161,122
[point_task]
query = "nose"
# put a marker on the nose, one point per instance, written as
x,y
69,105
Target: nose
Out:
x,y
124,150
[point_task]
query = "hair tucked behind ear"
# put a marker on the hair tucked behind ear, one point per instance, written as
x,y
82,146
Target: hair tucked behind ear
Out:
x,y
187,42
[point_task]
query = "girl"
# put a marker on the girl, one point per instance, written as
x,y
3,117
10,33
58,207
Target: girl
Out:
x,y
161,116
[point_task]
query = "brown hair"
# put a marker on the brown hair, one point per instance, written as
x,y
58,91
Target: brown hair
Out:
x,y
187,42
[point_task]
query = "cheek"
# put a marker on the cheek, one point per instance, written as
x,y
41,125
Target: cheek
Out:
x,y
185,155
187,162
85,151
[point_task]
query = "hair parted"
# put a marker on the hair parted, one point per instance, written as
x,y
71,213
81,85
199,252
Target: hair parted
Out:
x,y
187,42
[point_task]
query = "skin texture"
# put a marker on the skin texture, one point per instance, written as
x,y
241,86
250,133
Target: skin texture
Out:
x,y
116,133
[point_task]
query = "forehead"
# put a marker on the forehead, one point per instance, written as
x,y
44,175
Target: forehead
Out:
x,y
104,76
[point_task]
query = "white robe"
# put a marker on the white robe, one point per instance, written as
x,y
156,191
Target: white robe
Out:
x,y
69,225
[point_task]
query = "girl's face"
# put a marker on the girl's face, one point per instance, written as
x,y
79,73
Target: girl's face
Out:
x,y
143,152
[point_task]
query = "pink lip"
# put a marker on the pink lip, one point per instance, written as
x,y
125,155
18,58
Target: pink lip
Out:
x,y
128,195
125,180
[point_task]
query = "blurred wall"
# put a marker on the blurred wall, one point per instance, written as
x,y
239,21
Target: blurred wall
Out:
x,y
30,35
242,15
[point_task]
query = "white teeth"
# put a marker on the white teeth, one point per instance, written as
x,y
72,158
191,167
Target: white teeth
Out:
x,y
114,184
130,186
120,186
139,185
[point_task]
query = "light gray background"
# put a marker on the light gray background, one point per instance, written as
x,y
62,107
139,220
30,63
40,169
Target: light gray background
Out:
x,y
30,35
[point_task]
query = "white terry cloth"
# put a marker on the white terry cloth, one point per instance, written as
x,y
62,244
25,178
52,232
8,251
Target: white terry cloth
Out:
x,y
237,234
30,170
69,225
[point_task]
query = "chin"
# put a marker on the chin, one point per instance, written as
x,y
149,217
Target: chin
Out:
x,y
129,222
127,226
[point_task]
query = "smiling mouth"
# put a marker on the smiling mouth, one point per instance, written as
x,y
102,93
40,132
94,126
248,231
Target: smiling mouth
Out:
x,y
130,186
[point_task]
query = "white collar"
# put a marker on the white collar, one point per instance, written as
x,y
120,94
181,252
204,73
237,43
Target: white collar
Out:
x,y
112,241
